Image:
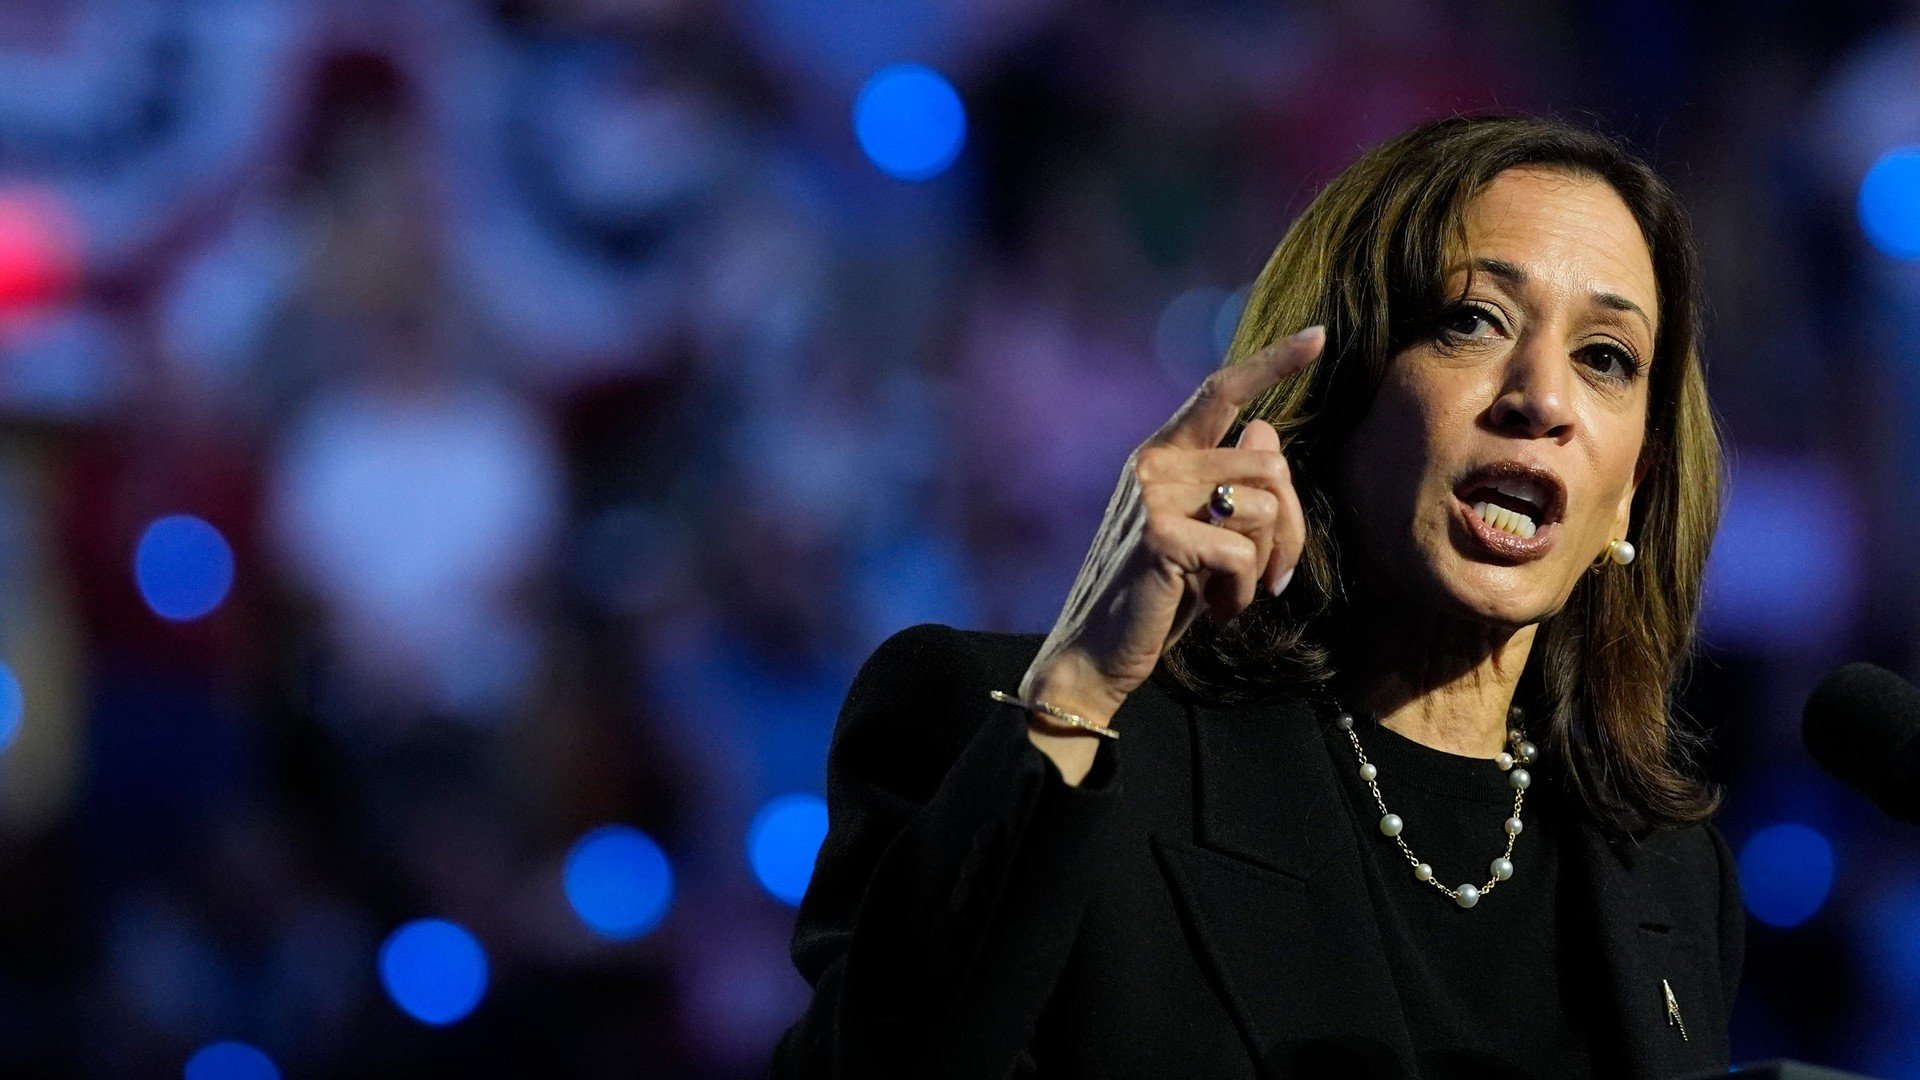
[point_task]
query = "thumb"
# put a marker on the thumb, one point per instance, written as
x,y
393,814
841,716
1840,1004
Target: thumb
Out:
x,y
1258,435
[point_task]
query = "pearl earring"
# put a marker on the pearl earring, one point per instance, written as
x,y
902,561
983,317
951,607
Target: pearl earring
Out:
x,y
1620,551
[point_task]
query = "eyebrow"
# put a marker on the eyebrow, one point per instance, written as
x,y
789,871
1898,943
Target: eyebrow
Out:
x,y
1512,274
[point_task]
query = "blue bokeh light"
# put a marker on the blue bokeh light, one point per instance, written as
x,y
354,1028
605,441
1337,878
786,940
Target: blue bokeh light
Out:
x,y
783,841
910,122
1786,564
618,881
434,970
1889,203
1226,321
1888,940
1183,340
1786,872
183,566
230,1061
13,707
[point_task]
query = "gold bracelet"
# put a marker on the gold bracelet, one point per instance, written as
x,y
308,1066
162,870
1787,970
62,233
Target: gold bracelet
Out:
x,y
1062,715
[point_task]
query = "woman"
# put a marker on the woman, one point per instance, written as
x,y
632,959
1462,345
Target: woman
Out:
x,y
1408,801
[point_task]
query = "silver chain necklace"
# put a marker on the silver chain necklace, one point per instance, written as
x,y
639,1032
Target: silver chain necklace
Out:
x,y
1522,753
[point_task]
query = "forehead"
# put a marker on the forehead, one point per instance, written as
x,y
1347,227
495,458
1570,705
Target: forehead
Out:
x,y
1571,233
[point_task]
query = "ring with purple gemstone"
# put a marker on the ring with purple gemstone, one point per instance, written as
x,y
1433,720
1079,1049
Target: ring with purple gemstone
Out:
x,y
1220,506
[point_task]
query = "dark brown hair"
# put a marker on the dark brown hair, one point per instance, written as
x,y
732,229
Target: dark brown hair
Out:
x,y
1368,260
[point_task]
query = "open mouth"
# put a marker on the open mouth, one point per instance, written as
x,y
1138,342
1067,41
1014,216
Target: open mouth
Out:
x,y
1514,498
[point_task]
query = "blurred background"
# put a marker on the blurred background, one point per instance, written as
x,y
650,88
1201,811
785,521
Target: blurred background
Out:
x,y
453,457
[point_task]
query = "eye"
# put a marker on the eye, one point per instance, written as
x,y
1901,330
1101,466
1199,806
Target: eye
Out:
x,y
1467,321
1613,362
1459,322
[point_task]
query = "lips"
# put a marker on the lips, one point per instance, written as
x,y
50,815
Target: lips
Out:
x,y
1511,509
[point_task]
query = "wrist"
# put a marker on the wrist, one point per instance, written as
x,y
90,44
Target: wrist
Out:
x,y
1069,681
1050,716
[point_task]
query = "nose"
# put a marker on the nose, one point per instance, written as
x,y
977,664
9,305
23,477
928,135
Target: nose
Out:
x,y
1535,399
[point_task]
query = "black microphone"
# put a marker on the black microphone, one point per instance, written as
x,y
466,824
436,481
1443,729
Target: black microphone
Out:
x,y
1862,724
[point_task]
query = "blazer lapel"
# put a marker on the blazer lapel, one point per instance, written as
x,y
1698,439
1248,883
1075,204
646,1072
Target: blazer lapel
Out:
x,y
1274,899
1647,952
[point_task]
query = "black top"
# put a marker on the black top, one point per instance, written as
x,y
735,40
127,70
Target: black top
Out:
x,y
1208,902
1497,990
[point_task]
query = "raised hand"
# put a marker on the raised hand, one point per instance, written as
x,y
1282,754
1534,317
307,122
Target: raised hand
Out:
x,y
1160,558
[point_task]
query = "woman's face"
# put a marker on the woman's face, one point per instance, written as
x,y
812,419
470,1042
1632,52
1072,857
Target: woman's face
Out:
x,y
1529,408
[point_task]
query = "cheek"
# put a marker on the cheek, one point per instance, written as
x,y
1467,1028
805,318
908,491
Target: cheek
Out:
x,y
1615,479
1392,482
1385,456
1589,533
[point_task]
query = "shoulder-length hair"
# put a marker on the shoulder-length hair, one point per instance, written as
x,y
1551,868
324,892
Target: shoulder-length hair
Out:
x,y
1368,260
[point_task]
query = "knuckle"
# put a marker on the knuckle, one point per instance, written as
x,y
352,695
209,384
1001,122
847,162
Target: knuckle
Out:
x,y
1157,534
1243,555
1269,467
1148,463
1253,509
1266,506
1212,386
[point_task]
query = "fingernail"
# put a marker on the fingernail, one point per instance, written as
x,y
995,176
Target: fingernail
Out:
x,y
1308,334
1281,585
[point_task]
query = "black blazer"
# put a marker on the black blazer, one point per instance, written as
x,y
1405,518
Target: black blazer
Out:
x,y
1196,908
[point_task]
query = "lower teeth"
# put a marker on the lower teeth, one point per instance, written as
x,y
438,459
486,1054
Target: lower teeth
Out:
x,y
1510,521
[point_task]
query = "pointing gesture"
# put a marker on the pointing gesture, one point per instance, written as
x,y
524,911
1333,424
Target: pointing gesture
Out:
x,y
1206,417
1192,527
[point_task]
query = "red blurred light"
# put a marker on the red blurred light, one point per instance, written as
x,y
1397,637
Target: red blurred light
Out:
x,y
39,251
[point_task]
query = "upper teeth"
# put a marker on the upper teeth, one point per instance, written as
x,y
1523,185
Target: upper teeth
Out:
x,y
1521,487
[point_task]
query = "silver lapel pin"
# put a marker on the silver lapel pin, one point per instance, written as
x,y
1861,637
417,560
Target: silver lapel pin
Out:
x,y
1673,1011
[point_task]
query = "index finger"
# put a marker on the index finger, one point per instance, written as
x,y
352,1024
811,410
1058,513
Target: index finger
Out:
x,y
1205,418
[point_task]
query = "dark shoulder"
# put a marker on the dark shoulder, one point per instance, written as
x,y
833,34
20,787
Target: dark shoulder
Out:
x,y
922,695
1690,865
1692,847
932,658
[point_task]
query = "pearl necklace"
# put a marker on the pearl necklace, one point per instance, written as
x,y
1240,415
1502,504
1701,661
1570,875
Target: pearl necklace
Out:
x,y
1467,895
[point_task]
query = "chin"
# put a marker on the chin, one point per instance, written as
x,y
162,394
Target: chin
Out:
x,y
1500,596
